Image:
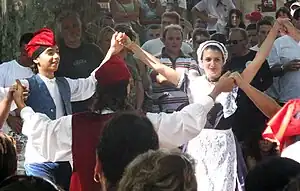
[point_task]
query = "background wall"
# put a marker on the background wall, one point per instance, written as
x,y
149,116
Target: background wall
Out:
x,y
247,6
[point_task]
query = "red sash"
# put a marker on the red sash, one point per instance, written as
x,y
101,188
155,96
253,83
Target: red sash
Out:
x,y
86,131
285,125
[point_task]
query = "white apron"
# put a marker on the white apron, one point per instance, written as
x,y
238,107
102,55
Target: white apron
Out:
x,y
215,155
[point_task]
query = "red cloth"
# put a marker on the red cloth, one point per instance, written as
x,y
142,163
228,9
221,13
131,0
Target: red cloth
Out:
x,y
254,16
112,71
285,124
86,131
43,37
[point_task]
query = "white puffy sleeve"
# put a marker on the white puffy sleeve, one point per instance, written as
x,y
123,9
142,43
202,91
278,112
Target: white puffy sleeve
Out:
x,y
177,128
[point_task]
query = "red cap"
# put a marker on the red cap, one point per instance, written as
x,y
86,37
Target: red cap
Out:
x,y
254,16
112,72
42,38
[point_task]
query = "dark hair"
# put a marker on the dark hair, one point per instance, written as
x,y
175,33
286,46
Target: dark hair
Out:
x,y
173,15
252,147
263,22
283,10
8,160
243,32
200,31
27,183
239,14
272,174
293,185
296,14
251,27
124,137
25,38
127,30
219,37
113,97
214,48
159,170
172,27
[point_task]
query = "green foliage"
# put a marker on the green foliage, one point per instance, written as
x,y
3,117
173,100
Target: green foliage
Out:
x,y
22,17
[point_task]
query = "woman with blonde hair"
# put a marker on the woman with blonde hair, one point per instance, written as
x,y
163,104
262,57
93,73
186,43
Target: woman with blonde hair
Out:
x,y
159,170
103,38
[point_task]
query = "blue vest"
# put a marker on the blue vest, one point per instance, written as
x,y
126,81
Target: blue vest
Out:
x,y
40,100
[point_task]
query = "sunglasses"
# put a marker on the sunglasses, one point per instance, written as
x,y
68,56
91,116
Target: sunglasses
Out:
x,y
230,42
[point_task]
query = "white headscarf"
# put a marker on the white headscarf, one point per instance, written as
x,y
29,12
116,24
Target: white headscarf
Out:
x,y
205,44
226,99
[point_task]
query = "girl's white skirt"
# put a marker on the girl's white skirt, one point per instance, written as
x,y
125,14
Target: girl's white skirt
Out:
x,y
215,155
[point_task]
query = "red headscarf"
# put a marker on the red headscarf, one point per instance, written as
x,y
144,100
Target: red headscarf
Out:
x,y
42,38
113,71
285,124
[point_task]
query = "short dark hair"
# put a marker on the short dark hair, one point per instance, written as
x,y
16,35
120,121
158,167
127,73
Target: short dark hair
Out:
x,y
263,22
296,14
214,48
8,160
25,38
172,27
251,27
283,10
219,37
28,183
272,174
293,185
173,15
200,31
127,30
242,31
124,137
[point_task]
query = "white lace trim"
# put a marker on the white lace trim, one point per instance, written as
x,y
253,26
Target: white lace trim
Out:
x,y
215,155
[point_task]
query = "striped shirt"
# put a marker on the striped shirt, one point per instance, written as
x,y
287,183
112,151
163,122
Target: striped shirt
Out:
x,y
173,97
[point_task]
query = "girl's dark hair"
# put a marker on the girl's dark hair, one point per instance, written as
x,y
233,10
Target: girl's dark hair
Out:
x,y
34,68
214,48
112,97
219,37
28,183
124,137
239,14
8,160
252,148
283,10
272,174
293,185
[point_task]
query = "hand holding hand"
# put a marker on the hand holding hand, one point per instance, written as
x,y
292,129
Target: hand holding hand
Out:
x,y
124,40
238,80
115,45
284,26
225,83
19,95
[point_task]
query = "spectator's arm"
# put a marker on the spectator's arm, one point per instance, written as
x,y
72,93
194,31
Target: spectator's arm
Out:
x,y
5,105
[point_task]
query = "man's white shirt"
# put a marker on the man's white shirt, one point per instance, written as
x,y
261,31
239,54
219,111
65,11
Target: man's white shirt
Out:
x,y
51,140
